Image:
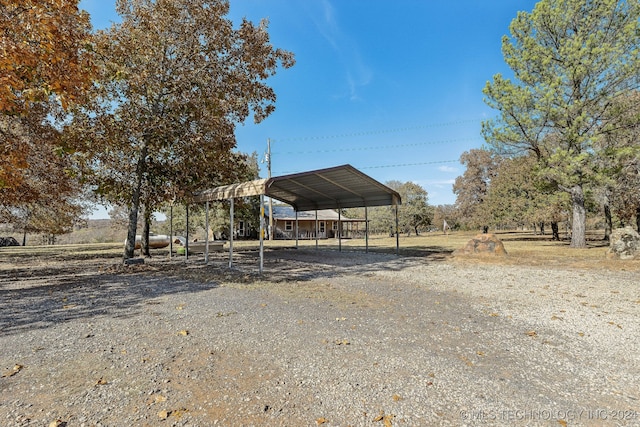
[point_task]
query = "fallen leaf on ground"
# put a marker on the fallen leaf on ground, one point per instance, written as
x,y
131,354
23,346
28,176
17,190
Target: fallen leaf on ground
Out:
x,y
156,399
396,398
101,381
532,333
466,360
183,332
322,420
179,412
164,414
12,372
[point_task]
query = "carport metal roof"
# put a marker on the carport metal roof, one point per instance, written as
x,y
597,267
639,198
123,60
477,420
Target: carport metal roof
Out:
x,y
332,188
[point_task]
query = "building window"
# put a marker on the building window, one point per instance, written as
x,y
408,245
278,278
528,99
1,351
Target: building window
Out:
x,y
321,225
334,225
288,225
241,228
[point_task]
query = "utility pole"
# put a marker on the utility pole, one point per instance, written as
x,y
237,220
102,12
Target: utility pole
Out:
x,y
269,176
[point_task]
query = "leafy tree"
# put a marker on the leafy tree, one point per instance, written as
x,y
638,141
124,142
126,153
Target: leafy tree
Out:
x,y
413,214
45,197
570,59
517,197
176,77
246,209
45,68
472,186
622,161
448,213
512,198
119,217
381,218
43,46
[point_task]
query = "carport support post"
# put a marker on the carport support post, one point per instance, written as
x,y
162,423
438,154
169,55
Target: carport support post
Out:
x,y
261,232
366,231
339,231
397,233
206,231
171,230
231,233
186,243
316,229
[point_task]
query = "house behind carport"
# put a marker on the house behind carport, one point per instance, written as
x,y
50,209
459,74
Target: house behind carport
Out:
x,y
321,224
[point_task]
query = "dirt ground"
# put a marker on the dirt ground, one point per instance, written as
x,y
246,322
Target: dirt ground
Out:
x,y
321,338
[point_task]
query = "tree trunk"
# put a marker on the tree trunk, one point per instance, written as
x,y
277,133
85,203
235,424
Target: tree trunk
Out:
x,y
578,226
186,241
135,204
608,222
638,218
145,233
555,231
542,228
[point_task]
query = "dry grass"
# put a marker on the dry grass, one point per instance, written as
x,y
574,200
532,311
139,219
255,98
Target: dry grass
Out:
x,y
524,248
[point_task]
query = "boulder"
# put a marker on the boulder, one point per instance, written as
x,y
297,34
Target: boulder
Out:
x,y
483,244
624,243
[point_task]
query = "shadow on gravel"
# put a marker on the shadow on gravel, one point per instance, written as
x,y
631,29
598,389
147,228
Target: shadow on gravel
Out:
x,y
40,292
37,297
290,264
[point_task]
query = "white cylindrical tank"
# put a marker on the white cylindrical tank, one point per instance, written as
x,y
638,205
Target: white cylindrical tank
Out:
x,y
156,241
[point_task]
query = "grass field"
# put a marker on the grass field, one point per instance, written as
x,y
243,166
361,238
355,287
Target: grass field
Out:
x,y
523,249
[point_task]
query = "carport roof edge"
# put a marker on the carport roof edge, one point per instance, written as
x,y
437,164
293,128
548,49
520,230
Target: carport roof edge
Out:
x,y
332,188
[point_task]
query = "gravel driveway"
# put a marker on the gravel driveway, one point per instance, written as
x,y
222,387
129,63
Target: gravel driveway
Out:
x,y
322,338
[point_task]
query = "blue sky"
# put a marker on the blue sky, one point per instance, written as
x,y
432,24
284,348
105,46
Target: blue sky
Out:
x,y
393,88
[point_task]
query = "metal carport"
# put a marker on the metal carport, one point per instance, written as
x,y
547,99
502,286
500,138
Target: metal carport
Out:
x,y
332,188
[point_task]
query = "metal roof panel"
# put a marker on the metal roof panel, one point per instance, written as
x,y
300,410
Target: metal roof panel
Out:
x,y
332,188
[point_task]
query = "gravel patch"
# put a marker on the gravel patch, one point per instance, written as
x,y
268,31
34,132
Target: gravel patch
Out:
x,y
322,338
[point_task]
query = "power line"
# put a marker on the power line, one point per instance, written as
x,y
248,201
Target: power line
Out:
x,y
393,166
377,132
377,147
409,164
